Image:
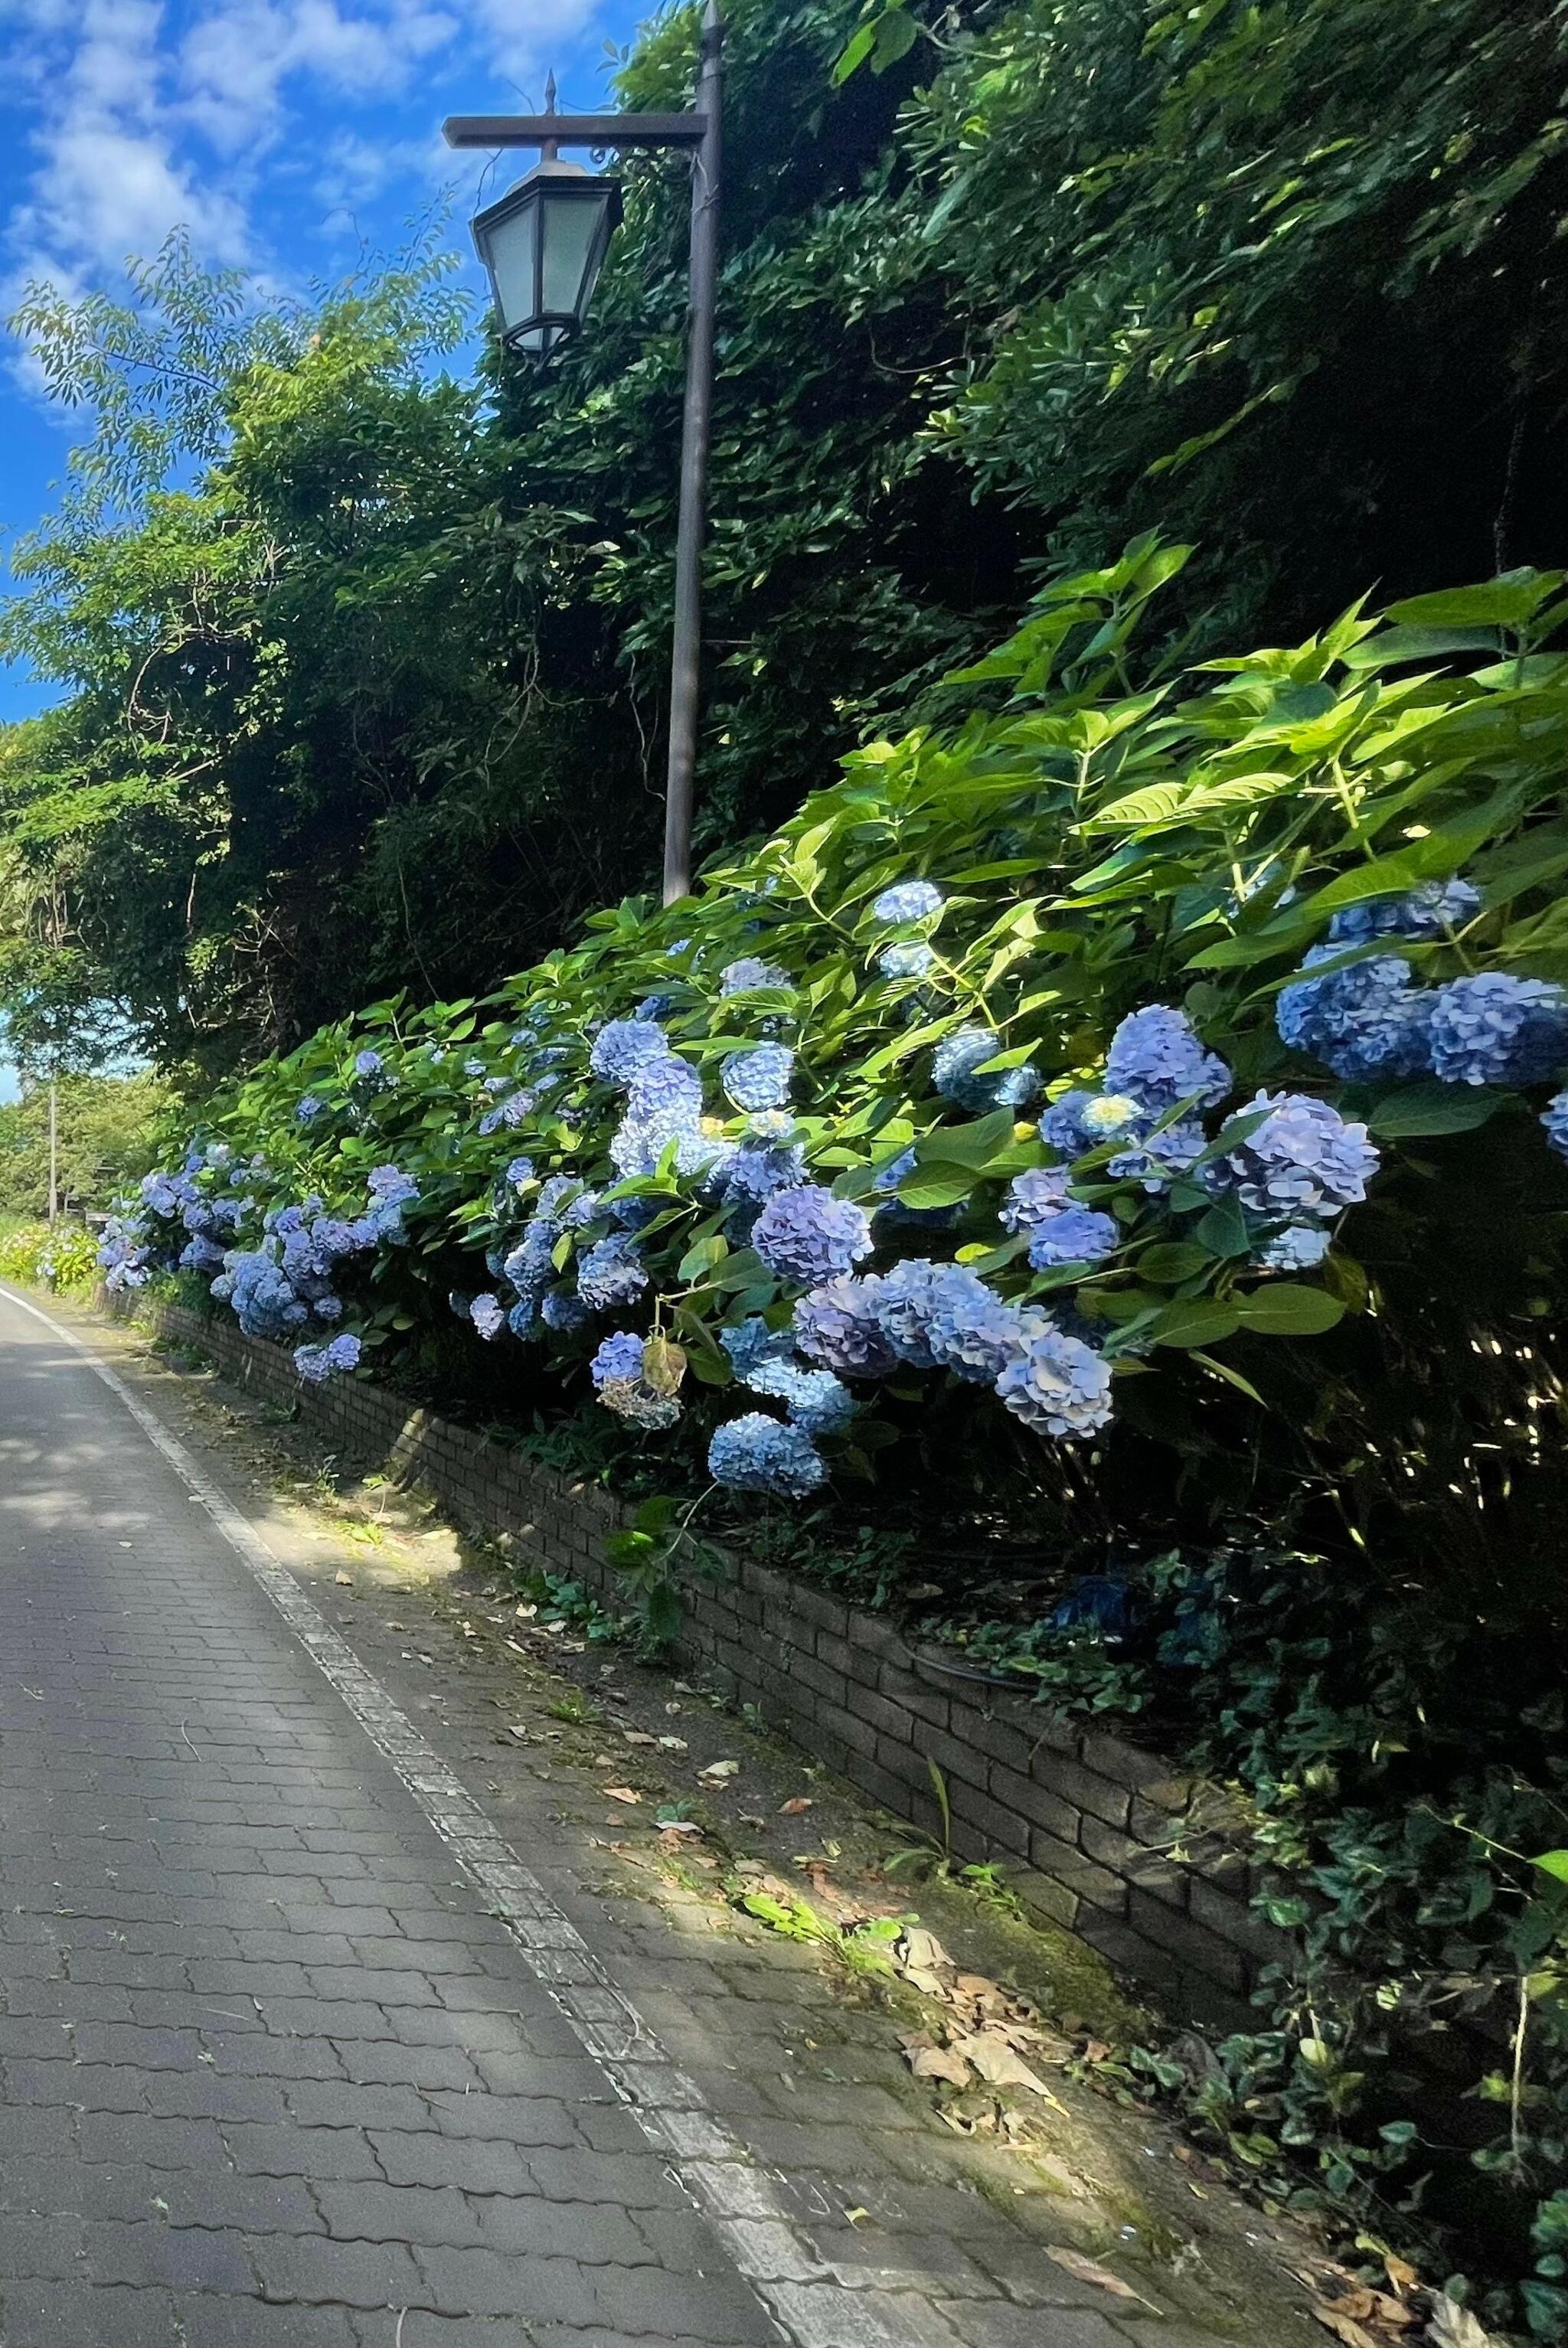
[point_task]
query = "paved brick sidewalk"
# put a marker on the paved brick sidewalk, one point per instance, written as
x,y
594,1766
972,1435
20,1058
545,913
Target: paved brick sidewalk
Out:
x,y
273,2074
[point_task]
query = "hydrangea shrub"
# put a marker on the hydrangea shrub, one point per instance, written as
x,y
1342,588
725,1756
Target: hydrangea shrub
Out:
x,y
1050,1051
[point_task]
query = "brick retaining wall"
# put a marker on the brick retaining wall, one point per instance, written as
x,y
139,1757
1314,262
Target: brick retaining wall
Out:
x,y
1147,1865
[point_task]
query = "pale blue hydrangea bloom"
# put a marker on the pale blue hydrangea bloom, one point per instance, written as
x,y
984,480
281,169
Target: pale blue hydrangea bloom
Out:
x,y
908,901
620,1356
1554,1117
1156,1055
1364,1021
316,1364
1074,1234
1078,1121
522,1318
519,1173
1300,1247
488,1315
473,1068
771,1125
815,1399
969,1330
1031,1197
1304,1161
611,1274
308,1108
750,1342
623,1046
955,1067
750,972
370,1067
562,1308
838,1325
907,958
663,1104
1168,1152
751,1176
1430,910
757,1454
514,1110
1496,1029
1057,1384
760,1079
808,1235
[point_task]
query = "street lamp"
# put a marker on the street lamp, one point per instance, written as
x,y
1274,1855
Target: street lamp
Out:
x,y
544,245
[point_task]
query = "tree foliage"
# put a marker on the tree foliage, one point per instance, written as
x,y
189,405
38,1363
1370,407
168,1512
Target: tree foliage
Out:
x,y
364,664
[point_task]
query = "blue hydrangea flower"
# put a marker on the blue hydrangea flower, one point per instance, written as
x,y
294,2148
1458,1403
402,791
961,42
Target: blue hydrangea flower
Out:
x,y
663,1104
750,972
757,1454
370,1067
523,1317
316,1364
1304,1161
1062,1124
200,1254
512,1110
771,1125
1431,911
1031,1197
750,1342
838,1325
1300,1247
307,1108
815,1399
1496,1029
562,1308
759,1080
1074,1234
1365,1020
389,1186
519,1173
954,1070
611,1274
473,1068
654,1006
968,1329
488,1315
1056,1383
1168,1152
906,958
753,1176
908,901
808,1235
620,1356
623,1047
1554,1117
1156,1057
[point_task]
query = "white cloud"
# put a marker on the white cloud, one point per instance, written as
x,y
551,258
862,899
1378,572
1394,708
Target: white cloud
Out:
x,y
141,116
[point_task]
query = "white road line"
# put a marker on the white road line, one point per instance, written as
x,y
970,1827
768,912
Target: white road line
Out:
x,y
740,2199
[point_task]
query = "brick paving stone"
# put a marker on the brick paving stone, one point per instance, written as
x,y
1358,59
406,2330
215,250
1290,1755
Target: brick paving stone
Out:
x,y
271,2075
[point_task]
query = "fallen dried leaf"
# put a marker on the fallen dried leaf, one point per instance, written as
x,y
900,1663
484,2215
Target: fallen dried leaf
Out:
x,y
927,2060
1402,2276
1453,2326
796,1806
853,2217
343,1580
1331,2315
621,1792
999,2062
673,1744
639,1736
718,1773
1088,2270
751,1819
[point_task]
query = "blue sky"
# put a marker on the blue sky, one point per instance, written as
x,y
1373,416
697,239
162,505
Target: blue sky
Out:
x,y
283,133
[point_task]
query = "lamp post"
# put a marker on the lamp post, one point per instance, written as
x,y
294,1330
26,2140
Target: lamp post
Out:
x,y
544,245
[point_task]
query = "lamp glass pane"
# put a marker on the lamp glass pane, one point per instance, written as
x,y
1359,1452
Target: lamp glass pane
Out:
x,y
571,227
511,247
